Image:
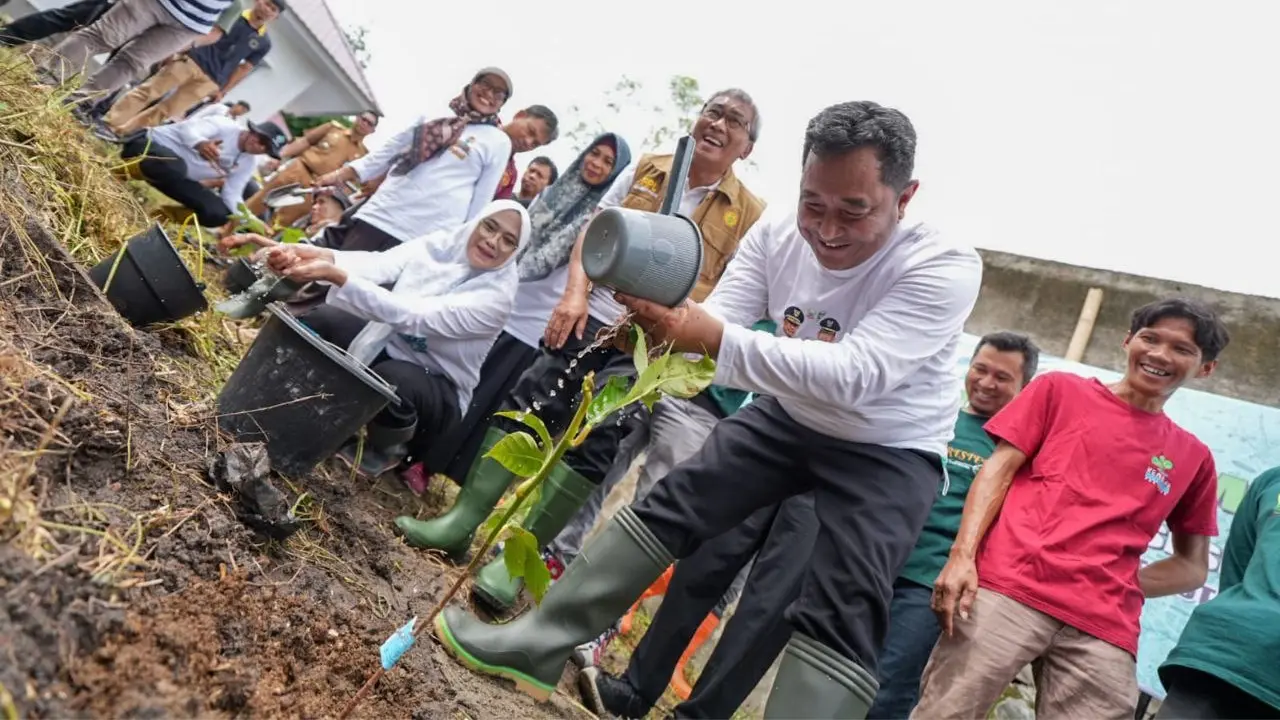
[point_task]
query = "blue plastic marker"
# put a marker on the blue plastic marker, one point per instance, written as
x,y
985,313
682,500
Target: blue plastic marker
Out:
x,y
398,644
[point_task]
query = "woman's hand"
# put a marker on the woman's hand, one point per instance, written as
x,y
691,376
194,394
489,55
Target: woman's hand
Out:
x,y
570,316
315,270
282,257
231,242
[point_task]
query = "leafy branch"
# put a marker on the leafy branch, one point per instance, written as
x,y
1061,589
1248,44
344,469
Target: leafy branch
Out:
x,y
527,456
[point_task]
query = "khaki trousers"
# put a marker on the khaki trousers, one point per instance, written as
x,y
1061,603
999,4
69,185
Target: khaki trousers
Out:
x,y
1077,675
188,83
143,30
294,172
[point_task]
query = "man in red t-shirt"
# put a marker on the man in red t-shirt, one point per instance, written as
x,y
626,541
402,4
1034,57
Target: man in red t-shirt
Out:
x,y
1045,568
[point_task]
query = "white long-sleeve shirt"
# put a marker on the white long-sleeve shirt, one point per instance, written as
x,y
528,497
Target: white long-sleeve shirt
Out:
x,y
458,328
885,373
234,164
439,194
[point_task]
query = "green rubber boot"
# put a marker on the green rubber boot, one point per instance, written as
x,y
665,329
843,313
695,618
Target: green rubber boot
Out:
x,y
815,682
595,590
452,532
563,494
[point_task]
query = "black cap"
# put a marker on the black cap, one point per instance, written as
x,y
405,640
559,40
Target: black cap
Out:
x,y
829,323
271,132
281,5
794,314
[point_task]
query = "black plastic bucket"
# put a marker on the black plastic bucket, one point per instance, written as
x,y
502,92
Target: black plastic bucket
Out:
x,y
299,394
239,276
151,283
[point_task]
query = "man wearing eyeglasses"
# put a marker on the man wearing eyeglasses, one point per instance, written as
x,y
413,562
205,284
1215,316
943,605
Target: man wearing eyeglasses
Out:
x,y
320,150
725,131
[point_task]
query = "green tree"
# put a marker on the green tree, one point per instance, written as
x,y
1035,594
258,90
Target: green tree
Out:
x,y
358,39
663,120
299,124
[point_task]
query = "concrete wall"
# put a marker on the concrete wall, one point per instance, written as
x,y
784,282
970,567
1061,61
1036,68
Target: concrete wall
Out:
x,y
1044,299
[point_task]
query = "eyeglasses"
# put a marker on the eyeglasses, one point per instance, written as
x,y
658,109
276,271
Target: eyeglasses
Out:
x,y
733,121
497,91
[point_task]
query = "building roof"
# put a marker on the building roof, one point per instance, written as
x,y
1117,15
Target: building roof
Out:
x,y
317,19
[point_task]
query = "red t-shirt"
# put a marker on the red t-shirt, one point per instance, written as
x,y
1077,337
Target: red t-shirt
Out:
x,y
1100,478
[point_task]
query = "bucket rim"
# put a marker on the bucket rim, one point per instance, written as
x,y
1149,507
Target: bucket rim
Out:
x,y
158,228
693,283
335,353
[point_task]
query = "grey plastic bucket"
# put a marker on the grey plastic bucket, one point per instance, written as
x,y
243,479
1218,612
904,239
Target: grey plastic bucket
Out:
x,y
151,283
299,394
651,256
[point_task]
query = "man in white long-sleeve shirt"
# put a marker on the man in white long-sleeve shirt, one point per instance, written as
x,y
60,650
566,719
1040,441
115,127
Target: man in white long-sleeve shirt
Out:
x,y
856,405
184,159
438,193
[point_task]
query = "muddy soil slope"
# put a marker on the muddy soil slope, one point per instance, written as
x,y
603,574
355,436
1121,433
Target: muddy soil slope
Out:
x,y
129,587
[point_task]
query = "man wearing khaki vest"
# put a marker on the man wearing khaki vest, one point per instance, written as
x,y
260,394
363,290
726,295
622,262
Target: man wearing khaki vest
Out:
x,y
725,132
320,150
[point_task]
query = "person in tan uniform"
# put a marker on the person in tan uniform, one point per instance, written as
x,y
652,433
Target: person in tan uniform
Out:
x,y
320,150
211,70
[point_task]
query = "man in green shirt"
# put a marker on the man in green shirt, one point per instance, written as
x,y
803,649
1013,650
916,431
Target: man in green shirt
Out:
x,y
1002,364
1227,662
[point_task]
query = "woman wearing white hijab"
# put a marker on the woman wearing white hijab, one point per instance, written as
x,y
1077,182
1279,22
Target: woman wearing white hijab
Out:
x,y
451,294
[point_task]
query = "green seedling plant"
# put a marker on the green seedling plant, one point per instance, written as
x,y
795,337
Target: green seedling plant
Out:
x,y
248,222
533,456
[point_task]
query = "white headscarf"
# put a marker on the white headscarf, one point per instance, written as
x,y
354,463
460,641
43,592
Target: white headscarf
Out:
x,y
435,264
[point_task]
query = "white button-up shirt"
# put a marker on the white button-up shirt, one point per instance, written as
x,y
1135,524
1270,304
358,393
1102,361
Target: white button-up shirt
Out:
x,y
234,165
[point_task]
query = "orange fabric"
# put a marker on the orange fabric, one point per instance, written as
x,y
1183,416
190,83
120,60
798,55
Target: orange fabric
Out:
x,y
679,685
659,587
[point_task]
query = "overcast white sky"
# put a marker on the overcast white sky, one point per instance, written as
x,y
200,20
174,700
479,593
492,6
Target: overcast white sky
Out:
x,y
1140,136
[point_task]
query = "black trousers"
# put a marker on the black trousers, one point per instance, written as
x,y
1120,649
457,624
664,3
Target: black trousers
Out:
x,y
40,25
1196,695
593,458
168,173
780,538
353,234
506,362
552,385
427,400
871,502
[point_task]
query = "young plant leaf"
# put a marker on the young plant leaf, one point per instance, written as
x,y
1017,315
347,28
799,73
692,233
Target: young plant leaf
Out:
x,y
523,559
684,378
640,354
532,421
291,235
612,397
518,453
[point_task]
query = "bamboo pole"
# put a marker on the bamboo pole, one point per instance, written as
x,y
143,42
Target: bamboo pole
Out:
x,y
1084,326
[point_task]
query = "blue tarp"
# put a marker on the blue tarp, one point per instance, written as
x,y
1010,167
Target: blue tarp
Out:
x,y
1245,440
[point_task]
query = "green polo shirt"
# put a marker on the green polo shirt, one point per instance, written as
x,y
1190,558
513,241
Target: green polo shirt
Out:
x,y
1235,637
965,454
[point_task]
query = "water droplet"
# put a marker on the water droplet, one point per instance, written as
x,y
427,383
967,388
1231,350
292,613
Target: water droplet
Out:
x,y
537,406
573,364
560,383
553,393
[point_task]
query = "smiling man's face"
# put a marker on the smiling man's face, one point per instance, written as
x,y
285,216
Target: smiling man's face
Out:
x,y
723,132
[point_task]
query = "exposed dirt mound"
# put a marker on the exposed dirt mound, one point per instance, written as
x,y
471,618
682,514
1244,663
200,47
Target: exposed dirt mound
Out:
x,y
129,589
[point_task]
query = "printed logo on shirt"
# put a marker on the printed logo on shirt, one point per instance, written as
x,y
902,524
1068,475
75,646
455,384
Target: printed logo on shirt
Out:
x,y
1158,473
960,459
645,186
462,149
793,319
730,218
419,344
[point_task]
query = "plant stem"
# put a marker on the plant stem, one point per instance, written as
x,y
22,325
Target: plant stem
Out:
x,y
567,440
